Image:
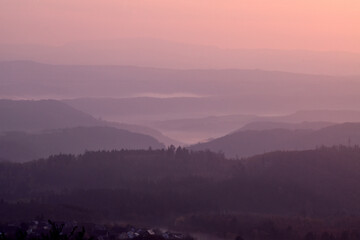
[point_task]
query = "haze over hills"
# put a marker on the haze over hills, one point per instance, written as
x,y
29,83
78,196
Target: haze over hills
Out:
x,y
37,116
36,129
166,54
146,131
227,120
20,147
251,142
250,107
263,125
322,115
136,94
151,96
229,91
194,130
144,109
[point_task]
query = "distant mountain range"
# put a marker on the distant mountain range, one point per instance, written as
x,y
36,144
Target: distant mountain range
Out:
x,y
165,54
324,115
246,143
284,125
123,91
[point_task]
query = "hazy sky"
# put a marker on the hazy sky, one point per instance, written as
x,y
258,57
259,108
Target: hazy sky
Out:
x,y
280,24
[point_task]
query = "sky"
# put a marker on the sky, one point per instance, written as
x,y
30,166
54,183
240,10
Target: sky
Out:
x,y
321,25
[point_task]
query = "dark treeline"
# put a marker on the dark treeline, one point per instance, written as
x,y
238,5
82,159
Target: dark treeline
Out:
x,y
123,169
49,230
301,191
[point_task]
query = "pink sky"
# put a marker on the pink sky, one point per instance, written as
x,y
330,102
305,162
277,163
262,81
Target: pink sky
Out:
x,y
276,24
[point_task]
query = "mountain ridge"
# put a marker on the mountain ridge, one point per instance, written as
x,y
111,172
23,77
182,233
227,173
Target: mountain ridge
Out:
x,y
21,147
162,53
252,142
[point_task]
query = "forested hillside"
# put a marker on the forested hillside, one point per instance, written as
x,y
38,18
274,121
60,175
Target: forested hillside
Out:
x,y
243,185
168,184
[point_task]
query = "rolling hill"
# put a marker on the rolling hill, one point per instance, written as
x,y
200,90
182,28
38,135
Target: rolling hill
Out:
x,y
194,130
20,146
251,142
36,116
26,115
267,125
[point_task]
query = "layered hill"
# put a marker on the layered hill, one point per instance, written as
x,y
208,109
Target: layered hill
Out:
x,y
37,116
194,130
205,91
268,125
20,146
26,115
246,143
